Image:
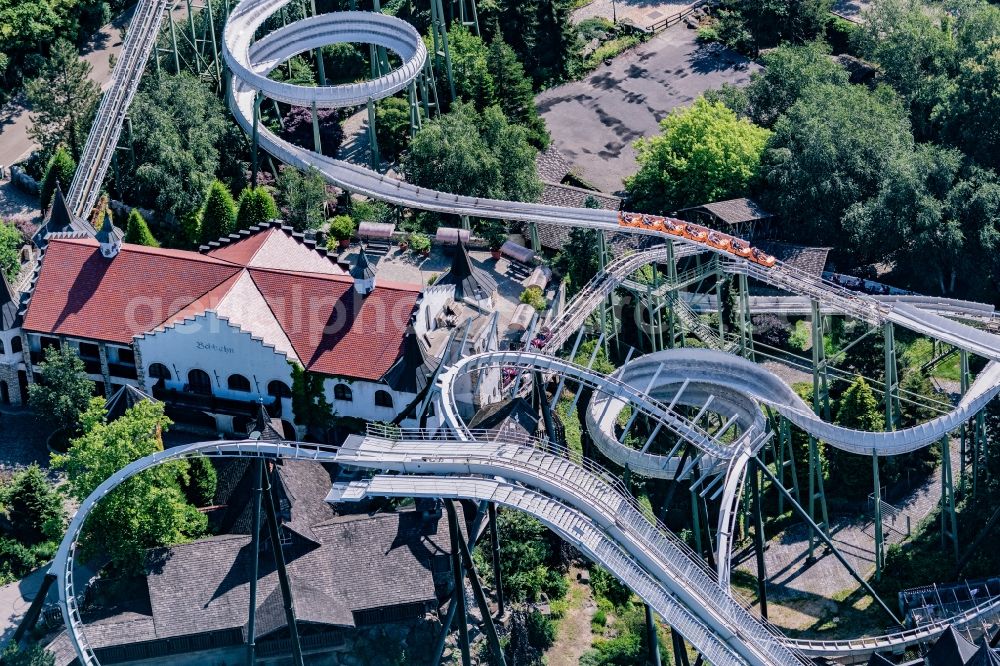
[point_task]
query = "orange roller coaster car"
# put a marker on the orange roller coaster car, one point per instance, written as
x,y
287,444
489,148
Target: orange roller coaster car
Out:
x,y
696,232
740,247
719,240
760,257
631,220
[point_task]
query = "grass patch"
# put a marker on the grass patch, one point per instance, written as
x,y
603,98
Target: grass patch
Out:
x,y
610,49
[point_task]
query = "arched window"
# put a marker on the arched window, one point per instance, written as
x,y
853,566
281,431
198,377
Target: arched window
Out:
x,y
2,348
159,371
383,399
343,392
278,389
199,382
15,345
239,383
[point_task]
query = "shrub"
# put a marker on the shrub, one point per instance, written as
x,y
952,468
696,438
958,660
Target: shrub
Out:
x,y
419,242
218,215
341,227
771,330
600,618
60,169
534,297
558,608
541,631
707,33
202,481
16,558
33,506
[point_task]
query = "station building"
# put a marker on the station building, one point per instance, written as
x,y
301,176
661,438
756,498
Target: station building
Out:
x,y
216,332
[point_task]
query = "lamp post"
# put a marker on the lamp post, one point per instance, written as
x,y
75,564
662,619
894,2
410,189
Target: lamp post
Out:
x,y
614,13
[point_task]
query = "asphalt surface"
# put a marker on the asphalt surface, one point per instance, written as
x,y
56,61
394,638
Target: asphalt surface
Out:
x,y
594,121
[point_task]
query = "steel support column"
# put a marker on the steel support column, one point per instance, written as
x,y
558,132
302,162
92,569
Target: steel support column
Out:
x,y
459,578
495,548
746,335
279,561
879,534
255,140
652,637
949,522
374,159
759,540
892,405
251,639
317,144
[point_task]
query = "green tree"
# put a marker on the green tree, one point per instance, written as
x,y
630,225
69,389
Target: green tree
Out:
x,y
256,206
183,140
770,22
470,68
514,93
63,100
60,170
914,220
33,506
787,72
832,149
531,559
392,126
61,391
860,410
705,153
137,231
11,242
32,655
302,197
539,31
476,154
202,481
148,510
577,261
218,215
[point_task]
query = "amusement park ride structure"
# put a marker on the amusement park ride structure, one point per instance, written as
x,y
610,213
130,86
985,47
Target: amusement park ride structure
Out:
x,y
712,401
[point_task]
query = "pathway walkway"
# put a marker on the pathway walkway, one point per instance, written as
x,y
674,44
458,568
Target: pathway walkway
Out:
x,y
812,586
638,12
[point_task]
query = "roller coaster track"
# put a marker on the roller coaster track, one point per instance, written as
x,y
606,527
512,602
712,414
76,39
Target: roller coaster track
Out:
x,y
107,127
574,500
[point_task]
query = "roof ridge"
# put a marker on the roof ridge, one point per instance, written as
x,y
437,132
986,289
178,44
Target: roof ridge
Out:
x,y
270,309
250,232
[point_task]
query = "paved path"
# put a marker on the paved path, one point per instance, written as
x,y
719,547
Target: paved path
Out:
x,y
595,121
23,439
791,578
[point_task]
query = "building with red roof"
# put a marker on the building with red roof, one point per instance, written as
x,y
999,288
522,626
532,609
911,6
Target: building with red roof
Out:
x,y
215,332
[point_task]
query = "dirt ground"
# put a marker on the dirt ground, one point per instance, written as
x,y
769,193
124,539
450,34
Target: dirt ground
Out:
x,y
573,637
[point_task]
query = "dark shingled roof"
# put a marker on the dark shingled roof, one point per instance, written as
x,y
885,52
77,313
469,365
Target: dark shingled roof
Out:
x,y
984,657
10,305
556,194
552,165
470,280
812,260
734,211
554,237
951,649
878,660
302,489
513,416
409,374
124,399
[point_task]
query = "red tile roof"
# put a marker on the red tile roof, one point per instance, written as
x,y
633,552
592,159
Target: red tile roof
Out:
x,y
334,331
81,294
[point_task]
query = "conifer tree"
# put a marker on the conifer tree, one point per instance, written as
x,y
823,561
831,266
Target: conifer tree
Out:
x,y
137,232
218,215
60,170
256,206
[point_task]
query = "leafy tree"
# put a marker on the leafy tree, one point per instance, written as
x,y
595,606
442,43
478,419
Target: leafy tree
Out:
x,y
578,261
531,558
298,129
914,219
975,202
256,206
601,362
705,153
183,140
832,149
470,68
11,242
345,63
60,170
302,197
218,215
33,655
309,403
539,31
770,22
541,630
146,511
392,126
137,231
494,232
476,154
342,227
63,100
33,506
61,390
787,71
